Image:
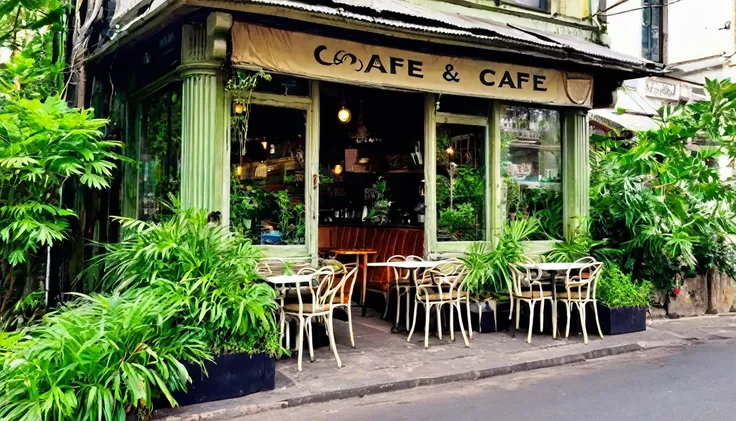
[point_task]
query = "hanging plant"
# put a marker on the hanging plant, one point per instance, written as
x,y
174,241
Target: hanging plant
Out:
x,y
241,85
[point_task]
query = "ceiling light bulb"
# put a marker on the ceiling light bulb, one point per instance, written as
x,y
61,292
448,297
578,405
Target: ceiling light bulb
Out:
x,y
344,115
238,108
450,150
337,170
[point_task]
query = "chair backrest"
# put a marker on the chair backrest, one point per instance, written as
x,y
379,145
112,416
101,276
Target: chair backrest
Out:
x,y
446,277
399,273
584,280
327,286
586,259
349,276
524,274
270,266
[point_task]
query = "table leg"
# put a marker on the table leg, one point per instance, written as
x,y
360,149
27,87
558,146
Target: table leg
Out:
x,y
364,269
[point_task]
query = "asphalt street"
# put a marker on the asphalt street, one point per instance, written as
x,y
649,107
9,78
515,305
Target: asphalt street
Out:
x,y
682,384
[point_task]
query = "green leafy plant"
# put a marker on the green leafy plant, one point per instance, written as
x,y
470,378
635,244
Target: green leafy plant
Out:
x,y
616,289
98,358
461,223
291,219
42,145
241,85
658,200
489,274
203,265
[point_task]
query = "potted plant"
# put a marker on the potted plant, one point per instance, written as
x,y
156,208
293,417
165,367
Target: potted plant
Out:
x,y
622,303
211,270
489,277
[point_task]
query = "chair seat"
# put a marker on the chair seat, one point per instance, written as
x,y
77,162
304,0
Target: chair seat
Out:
x,y
444,296
534,294
308,308
574,295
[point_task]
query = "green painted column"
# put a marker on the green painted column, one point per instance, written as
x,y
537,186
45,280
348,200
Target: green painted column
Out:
x,y
205,146
576,166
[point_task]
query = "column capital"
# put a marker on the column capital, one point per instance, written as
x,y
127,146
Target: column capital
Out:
x,y
207,41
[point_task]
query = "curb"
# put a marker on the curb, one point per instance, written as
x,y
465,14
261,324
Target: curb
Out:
x,y
359,392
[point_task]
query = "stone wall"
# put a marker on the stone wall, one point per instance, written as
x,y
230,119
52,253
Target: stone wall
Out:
x,y
711,293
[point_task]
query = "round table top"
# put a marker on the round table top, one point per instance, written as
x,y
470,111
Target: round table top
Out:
x,y
553,267
409,264
353,251
288,279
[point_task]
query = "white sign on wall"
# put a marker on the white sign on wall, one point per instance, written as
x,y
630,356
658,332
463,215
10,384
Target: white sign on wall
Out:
x,y
662,88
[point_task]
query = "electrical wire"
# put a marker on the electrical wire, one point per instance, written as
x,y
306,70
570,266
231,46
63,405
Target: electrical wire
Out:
x,y
651,6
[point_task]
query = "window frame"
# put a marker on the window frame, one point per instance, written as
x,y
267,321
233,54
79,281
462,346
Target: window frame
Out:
x,y
649,6
432,120
309,104
547,10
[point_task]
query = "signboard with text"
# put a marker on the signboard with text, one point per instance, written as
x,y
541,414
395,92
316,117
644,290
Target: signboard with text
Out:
x,y
318,57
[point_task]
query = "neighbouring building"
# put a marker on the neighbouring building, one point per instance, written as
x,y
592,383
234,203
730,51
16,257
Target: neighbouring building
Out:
x,y
694,39
403,126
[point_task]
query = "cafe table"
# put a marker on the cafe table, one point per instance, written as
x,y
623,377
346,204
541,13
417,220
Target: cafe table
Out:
x,y
412,265
553,269
361,259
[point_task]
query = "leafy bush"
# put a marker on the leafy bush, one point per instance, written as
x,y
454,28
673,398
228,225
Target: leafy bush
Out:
x,y
488,267
206,267
98,358
616,289
658,200
460,222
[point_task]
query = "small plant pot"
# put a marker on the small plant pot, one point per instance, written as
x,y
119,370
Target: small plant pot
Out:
x,y
616,321
228,376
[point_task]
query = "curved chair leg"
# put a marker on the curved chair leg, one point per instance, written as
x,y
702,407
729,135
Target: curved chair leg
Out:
x,y
350,325
452,322
438,312
398,304
460,321
518,314
408,305
426,325
467,312
282,325
581,310
331,330
597,321
532,304
569,314
300,344
309,339
494,307
413,323
511,312
541,316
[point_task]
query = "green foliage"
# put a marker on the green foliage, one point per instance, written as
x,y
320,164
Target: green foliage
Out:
x,y
291,219
98,358
545,205
241,85
488,267
461,223
657,199
204,266
616,289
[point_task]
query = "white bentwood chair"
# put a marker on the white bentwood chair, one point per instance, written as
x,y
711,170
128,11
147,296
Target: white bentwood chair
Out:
x,y
580,286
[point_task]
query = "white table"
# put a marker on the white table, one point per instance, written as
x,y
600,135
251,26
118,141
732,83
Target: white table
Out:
x,y
283,280
554,268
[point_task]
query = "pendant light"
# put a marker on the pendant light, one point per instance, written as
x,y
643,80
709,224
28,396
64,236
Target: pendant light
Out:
x,y
344,115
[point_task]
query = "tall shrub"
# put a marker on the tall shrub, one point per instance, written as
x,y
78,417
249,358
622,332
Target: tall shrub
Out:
x,y
657,198
203,265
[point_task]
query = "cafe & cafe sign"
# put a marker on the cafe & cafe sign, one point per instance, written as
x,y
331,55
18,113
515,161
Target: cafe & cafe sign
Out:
x,y
332,59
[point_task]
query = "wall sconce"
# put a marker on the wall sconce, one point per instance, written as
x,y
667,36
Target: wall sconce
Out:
x,y
344,115
337,169
450,150
238,108
264,144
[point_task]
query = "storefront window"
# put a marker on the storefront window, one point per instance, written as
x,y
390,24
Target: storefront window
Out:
x,y
531,166
460,189
267,167
160,151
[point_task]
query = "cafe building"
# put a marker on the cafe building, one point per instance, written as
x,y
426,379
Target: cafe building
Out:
x,y
380,126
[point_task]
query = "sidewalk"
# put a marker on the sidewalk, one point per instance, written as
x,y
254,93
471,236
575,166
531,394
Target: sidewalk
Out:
x,y
384,362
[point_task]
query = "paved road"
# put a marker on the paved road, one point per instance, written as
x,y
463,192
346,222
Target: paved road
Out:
x,y
686,384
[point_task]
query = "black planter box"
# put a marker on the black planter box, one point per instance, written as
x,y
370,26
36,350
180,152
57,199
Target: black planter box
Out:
x,y
486,319
228,376
616,321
